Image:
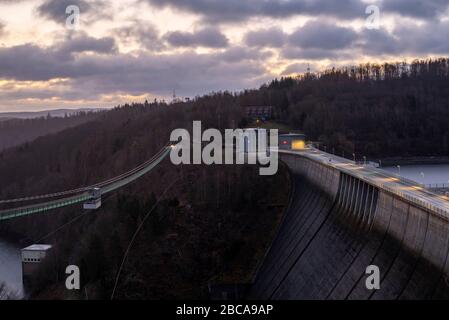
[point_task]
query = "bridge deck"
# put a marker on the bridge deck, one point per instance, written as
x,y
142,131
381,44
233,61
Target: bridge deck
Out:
x,y
82,195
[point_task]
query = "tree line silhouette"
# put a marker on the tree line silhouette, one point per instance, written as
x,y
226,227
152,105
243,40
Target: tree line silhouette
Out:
x,y
378,110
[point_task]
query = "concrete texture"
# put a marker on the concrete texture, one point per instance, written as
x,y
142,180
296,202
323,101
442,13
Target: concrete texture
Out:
x,y
336,226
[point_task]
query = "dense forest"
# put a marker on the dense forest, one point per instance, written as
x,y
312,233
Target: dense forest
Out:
x,y
388,110
205,225
214,223
378,110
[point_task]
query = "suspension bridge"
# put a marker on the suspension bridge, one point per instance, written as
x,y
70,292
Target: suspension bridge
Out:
x,y
80,195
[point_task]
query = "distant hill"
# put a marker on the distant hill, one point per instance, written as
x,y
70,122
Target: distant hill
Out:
x,y
58,113
21,127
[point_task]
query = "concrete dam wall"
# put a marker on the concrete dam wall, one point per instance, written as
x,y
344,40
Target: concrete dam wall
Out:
x,y
336,226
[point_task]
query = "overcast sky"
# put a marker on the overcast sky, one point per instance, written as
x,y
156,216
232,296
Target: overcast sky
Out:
x,y
132,50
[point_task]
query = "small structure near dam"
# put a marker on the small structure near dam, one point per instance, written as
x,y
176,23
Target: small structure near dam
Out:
x,y
292,141
32,257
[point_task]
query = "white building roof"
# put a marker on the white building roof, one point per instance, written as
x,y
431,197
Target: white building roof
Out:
x,y
38,247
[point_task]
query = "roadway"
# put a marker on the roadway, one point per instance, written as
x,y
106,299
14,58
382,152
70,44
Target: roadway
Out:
x,y
409,190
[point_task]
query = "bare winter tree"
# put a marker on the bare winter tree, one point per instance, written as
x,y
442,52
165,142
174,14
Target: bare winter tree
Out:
x,y
5,293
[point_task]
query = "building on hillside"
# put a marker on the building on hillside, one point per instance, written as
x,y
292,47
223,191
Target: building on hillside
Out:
x,y
292,141
261,113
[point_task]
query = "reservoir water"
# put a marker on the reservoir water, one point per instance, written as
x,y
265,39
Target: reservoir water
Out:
x,y
11,267
424,174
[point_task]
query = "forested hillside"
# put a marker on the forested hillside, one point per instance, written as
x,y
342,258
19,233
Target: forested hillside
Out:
x,y
375,110
393,109
209,224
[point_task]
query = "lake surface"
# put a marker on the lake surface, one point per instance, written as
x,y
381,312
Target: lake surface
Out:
x,y
424,174
11,266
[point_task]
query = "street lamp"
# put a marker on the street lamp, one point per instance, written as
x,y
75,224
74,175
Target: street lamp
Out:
x,y
399,169
423,182
364,160
353,155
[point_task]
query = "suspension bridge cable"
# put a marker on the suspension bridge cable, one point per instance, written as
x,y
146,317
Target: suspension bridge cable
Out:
x,y
135,235
84,213
61,227
82,189
111,185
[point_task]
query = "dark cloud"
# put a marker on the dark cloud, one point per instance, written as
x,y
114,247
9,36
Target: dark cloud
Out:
x,y
142,33
315,40
322,35
90,10
429,38
188,73
423,40
379,42
210,37
238,10
91,76
273,37
85,43
30,62
319,40
55,9
424,9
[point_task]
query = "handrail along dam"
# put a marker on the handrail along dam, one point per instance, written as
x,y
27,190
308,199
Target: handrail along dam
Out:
x,y
344,217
